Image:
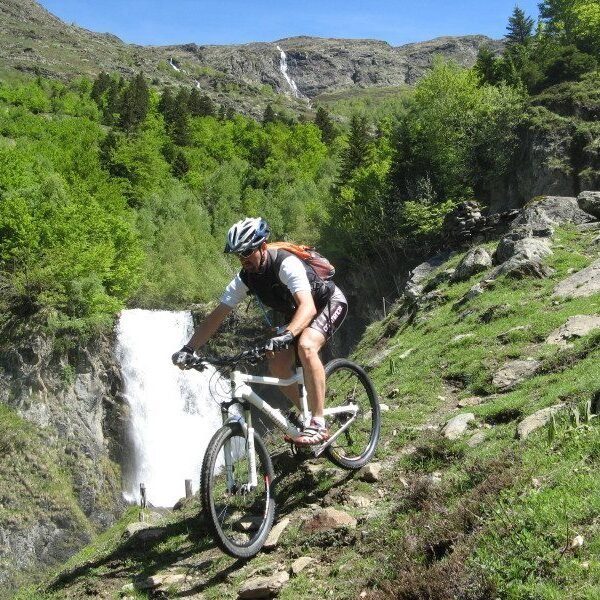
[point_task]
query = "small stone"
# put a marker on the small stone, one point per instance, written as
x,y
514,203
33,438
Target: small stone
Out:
x,y
404,482
329,518
395,432
585,565
275,534
456,426
476,439
536,483
300,564
359,501
263,587
441,398
173,579
576,542
471,401
537,420
370,472
384,407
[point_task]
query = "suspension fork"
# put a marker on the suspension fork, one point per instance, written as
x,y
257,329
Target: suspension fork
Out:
x,y
252,476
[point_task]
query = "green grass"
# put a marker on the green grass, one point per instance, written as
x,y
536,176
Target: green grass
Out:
x,y
447,520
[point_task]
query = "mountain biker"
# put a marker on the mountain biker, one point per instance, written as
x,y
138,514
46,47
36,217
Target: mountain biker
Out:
x,y
311,307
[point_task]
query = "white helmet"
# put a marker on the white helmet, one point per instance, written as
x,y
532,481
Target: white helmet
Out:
x,y
247,234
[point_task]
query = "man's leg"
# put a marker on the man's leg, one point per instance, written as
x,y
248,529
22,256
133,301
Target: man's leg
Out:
x,y
309,344
281,365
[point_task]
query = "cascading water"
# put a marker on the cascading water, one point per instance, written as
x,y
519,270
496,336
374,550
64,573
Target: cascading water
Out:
x,y
172,414
284,71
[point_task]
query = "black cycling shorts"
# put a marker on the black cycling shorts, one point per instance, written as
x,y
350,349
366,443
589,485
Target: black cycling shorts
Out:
x,y
332,316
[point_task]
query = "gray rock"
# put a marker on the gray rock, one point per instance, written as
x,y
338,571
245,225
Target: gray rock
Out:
x,y
576,326
472,401
537,420
548,212
513,373
583,283
275,534
456,426
370,472
590,203
476,439
263,587
301,563
142,532
517,244
329,518
474,261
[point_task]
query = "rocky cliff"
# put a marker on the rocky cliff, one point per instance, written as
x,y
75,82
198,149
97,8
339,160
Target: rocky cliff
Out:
x,y
61,430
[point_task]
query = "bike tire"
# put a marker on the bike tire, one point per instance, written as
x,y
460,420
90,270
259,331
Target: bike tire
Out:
x,y
346,382
227,512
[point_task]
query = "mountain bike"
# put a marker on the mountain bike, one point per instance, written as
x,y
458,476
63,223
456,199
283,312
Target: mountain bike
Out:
x,y
237,476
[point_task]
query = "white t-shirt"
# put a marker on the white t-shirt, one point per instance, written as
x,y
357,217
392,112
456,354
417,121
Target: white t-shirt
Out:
x,y
291,273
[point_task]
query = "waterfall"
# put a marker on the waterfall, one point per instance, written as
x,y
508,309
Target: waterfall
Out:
x,y
172,415
284,71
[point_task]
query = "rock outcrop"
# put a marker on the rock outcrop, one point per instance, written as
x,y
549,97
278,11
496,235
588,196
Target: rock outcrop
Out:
x,y
60,475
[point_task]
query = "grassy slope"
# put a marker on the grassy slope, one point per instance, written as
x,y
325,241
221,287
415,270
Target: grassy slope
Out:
x,y
447,520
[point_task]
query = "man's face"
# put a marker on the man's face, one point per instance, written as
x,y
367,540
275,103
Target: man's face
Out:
x,y
251,263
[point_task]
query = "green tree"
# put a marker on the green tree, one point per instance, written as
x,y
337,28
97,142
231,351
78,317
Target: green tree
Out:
x,y
520,28
135,102
200,105
358,148
487,66
325,124
269,115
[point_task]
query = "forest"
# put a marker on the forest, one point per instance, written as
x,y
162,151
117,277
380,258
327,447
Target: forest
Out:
x,y
116,193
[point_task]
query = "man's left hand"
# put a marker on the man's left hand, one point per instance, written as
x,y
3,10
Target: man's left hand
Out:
x,y
280,342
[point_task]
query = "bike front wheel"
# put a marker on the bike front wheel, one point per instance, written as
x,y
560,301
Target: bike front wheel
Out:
x,y
347,384
239,514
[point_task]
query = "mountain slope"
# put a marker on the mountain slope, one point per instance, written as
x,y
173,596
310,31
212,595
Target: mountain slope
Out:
x,y
480,510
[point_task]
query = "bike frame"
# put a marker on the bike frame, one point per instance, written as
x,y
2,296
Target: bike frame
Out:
x,y
243,394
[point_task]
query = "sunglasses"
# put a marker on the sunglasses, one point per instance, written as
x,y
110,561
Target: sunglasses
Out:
x,y
247,253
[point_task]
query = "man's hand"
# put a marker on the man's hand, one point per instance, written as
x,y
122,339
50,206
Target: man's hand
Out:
x,y
184,358
280,342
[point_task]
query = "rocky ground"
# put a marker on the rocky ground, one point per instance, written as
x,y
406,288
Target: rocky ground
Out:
x,y
486,347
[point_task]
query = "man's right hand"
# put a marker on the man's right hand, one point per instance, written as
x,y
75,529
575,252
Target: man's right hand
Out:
x,y
184,358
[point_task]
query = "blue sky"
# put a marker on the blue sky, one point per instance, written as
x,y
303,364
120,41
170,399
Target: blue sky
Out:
x,y
157,22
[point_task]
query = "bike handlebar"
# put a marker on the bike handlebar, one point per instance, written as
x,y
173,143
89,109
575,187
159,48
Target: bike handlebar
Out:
x,y
253,355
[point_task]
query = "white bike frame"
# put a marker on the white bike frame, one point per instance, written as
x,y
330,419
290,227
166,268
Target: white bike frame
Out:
x,y
242,393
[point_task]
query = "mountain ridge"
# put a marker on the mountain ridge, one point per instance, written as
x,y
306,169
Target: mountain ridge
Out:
x,y
34,41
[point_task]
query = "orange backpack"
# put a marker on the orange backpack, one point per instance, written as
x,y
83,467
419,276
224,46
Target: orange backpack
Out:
x,y
320,265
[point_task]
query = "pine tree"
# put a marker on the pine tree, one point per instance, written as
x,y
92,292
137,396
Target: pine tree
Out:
x,y
325,124
166,105
180,165
358,151
200,105
101,84
269,115
135,103
520,28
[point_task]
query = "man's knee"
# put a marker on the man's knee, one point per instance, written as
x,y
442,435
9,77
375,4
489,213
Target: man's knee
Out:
x,y
310,343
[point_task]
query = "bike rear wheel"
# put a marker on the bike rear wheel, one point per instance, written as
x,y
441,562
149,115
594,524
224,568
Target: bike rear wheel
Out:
x,y
348,384
239,516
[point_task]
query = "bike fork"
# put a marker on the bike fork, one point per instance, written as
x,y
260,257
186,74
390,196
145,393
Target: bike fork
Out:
x,y
252,477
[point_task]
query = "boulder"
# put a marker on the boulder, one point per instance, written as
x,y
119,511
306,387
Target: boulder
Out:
x,y
590,203
329,518
370,472
474,261
537,420
456,426
263,587
583,283
513,373
542,215
576,326
517,244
